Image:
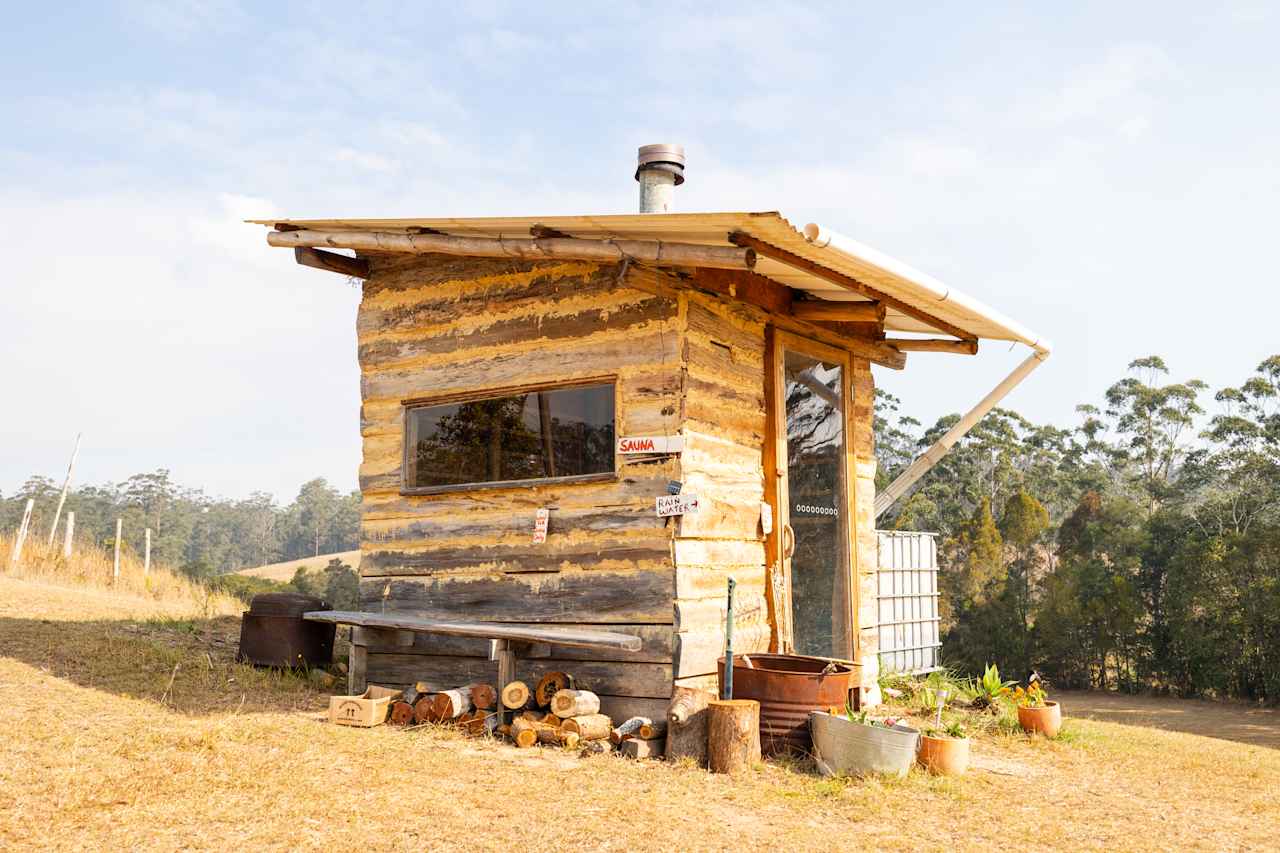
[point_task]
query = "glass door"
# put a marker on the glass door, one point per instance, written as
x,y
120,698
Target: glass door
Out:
x,y
811,391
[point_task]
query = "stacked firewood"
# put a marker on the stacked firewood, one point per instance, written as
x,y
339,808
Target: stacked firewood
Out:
x,y
554,713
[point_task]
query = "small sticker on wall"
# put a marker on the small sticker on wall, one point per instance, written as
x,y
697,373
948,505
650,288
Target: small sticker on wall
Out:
x,y
541,521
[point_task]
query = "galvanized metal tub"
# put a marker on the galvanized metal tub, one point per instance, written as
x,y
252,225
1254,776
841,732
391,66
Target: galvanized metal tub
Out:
x,y
789,688
845,748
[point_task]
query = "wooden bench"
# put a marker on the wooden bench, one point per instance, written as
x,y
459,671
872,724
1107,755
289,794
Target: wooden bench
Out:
x,y
506,642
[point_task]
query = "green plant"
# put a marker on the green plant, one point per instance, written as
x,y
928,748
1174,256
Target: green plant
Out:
x,y
863,718
990,689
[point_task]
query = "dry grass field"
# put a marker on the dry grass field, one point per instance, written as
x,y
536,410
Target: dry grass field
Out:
x,y
129,726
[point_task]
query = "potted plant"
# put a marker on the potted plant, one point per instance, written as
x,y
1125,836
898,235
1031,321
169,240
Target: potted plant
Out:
x,y
945,751
990,689
1035,712
854,743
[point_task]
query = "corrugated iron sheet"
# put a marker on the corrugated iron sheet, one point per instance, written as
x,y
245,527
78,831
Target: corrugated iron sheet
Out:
x,y
714,229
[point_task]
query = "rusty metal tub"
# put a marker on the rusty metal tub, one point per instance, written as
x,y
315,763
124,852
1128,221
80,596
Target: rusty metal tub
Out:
x,y
788,688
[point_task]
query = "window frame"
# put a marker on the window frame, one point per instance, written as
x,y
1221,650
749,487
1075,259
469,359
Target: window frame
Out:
x,y
409,404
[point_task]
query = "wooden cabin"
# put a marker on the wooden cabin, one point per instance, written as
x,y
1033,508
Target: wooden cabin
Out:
x,y
534,387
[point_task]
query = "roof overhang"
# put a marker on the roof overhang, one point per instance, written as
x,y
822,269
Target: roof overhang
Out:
x,y
814,260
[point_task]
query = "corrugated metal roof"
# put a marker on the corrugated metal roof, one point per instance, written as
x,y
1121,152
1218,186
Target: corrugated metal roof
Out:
x,y
841,255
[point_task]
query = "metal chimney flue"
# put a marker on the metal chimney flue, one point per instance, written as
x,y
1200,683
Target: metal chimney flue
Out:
x,y
659,169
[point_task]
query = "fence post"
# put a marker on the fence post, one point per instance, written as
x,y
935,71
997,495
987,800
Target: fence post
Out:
x,y
22,532
66,540
146,560
66,484
115,574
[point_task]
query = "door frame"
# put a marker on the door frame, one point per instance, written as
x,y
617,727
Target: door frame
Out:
x,y
778,579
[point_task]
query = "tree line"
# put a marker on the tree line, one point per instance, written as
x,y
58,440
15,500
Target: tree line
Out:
x,y
198,534
1136,549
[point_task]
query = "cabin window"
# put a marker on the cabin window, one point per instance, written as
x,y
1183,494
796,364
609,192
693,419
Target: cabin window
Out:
x,y
542,434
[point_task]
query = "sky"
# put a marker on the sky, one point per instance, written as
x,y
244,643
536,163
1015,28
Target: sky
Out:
x,y
1104,173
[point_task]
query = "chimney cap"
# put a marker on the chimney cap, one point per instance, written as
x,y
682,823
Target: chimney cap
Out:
x,y
664,156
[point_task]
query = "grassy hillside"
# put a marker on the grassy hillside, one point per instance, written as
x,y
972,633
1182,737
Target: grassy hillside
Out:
x,y
130,727
284,572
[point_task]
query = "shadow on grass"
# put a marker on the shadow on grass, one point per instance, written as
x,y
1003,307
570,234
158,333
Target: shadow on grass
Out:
x,y
187,665
1223,720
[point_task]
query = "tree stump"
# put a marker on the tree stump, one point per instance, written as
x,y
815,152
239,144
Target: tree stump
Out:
x,y
687,725
733,735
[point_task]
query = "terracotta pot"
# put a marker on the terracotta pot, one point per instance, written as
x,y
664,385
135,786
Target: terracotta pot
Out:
x,y
1047,720
944,756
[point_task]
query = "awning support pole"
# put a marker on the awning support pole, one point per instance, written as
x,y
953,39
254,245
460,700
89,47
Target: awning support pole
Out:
x,y
934,454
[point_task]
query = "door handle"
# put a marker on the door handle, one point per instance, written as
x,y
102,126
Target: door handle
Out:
x,y
788,541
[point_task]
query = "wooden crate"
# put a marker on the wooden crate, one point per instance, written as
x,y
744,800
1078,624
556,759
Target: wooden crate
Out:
x,y
368,709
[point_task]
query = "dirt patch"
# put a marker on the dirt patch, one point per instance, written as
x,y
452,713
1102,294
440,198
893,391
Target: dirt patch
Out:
x,y
1223,720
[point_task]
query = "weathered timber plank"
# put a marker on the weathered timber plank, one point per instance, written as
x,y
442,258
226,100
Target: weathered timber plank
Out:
x,y
701,613
592,555
716,322
413,299
535,327
717,519
645,680
657,645
696,652
636,484
594,356
595,597
440,527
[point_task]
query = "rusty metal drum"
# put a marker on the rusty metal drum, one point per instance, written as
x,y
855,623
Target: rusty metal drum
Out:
x,y
788,688
273,632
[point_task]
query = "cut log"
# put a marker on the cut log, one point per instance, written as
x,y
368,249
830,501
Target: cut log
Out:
x,y
595,747
733,735
575,703
549,685
452,704
402,714
552,720
687,725
515,695
643,748
524,732
411,695
484,696
627,729
570,740
653,730
593,727
422,709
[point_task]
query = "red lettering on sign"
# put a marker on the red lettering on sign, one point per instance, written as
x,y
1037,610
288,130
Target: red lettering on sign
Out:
x,y
634,445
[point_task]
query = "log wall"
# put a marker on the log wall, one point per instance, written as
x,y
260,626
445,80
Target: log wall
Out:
x,y
436,325
684,361
722,463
